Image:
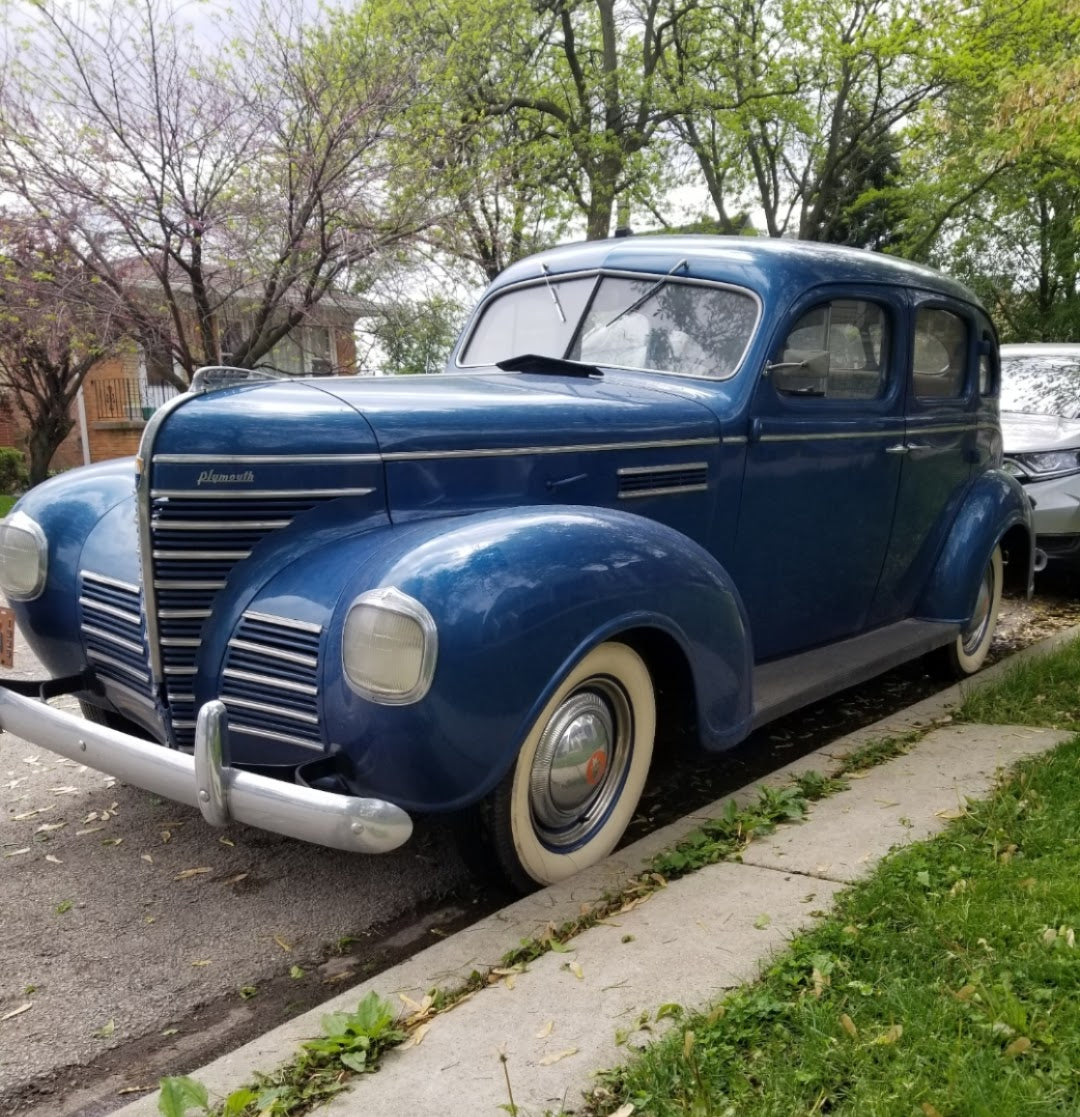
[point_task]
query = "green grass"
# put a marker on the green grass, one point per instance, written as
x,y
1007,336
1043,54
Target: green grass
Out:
x,y
6,503
945,985
1043,691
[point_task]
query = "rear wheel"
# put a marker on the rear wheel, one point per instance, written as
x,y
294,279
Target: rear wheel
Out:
x,y
966,654
580,773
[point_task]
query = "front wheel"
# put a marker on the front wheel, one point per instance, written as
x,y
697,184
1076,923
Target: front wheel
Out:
x,y
579,774
965,655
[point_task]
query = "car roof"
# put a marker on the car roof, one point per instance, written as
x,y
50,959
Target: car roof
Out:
x,y
764,264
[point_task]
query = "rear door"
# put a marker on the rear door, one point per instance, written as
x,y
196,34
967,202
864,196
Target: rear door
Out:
x,y
940,446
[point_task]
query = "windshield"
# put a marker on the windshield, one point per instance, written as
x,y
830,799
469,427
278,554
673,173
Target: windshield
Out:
x,y
1041,385
661,325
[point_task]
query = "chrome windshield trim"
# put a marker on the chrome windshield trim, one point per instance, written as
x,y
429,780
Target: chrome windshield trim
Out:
x,y
104,579
267,459
266,708
284,622
554,278
269,680
274,653
670,490
112,610
582,448
257,494
648,470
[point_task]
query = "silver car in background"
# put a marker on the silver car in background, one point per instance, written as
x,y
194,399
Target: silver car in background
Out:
x,y
1040,426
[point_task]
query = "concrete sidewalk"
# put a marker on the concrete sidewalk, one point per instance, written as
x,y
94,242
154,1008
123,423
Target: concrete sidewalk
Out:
x,y
550,1028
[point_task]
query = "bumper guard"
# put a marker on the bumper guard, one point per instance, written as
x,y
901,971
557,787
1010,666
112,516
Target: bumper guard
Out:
x,y
223,794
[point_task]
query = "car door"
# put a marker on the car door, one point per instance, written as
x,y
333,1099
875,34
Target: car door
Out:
x,y
940,446
821,479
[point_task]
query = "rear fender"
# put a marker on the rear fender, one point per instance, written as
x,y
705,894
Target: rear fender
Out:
x,y
995,511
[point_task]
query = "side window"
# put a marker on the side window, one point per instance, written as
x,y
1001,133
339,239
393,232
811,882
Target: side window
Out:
x,y
838,350
941,346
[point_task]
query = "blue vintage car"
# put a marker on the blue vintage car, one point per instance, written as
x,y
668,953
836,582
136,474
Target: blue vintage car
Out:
x,y
666,483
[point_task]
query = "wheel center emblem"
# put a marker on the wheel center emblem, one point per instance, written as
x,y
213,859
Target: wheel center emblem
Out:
x,y
595,767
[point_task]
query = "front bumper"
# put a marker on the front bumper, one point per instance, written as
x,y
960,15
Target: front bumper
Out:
x,y
205,780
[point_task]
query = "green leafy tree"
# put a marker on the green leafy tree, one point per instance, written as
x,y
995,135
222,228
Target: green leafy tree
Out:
x,y
417,336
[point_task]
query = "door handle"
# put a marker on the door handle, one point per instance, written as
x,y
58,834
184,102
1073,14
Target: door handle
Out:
x,y
899,448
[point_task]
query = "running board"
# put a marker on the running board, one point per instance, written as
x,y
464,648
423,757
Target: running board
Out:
x,y
783,685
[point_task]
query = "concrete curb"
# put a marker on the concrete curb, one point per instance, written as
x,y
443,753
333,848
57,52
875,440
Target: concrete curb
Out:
x,y
450,962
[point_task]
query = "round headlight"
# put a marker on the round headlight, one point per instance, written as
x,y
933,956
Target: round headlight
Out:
x,y
24,557
389,647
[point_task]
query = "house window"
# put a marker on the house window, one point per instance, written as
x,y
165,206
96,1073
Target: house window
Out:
x,y
305,351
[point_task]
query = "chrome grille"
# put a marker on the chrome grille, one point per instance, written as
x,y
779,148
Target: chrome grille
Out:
x,y
269,684
113,634
196,540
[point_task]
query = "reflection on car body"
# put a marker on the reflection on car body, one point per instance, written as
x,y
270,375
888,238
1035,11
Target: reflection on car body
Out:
x,y
667,483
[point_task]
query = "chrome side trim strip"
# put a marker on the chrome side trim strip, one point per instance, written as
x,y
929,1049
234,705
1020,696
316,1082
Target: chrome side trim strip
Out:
x,y
649,470
582,448
734,440
267,459
112,638
256,494
323,817
896,432
274,653
285,622
264,708
270,735
112,610
172,584
669,490
269,680
118,664
217,525
105,580
209,556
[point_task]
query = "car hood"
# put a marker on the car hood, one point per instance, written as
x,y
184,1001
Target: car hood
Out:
x,y
1025,434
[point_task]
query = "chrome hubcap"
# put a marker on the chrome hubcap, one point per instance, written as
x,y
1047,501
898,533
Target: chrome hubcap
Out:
x,y
580,762
973,636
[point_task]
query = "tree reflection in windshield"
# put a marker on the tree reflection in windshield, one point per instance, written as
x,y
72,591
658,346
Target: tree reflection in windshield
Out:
x,y
1041,385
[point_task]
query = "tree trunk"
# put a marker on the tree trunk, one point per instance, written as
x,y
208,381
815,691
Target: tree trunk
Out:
x,y
43,441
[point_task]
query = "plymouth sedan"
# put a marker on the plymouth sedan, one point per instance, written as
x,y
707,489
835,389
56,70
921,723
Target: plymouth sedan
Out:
x,y
666,483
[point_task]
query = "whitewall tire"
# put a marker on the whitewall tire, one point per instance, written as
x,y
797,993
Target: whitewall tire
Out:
x,y
966,654
580,772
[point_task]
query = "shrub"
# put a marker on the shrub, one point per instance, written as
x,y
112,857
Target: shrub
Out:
x,y
13,472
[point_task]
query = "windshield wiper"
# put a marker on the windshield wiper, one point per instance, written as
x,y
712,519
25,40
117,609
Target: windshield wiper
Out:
x,y
553,293
645,297
547,366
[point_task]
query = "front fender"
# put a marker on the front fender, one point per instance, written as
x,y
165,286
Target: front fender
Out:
x,y
517,596
994,508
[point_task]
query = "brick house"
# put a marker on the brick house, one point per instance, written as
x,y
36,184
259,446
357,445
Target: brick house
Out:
x,y
121,392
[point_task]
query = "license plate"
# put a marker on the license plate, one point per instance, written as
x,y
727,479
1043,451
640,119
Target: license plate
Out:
x,y
7,637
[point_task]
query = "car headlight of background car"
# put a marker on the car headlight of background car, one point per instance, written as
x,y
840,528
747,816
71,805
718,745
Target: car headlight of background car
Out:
x,y
389,647
24,557
1043,465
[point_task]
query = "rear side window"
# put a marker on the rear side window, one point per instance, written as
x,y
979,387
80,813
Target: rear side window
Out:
x,y
838,350
940,355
